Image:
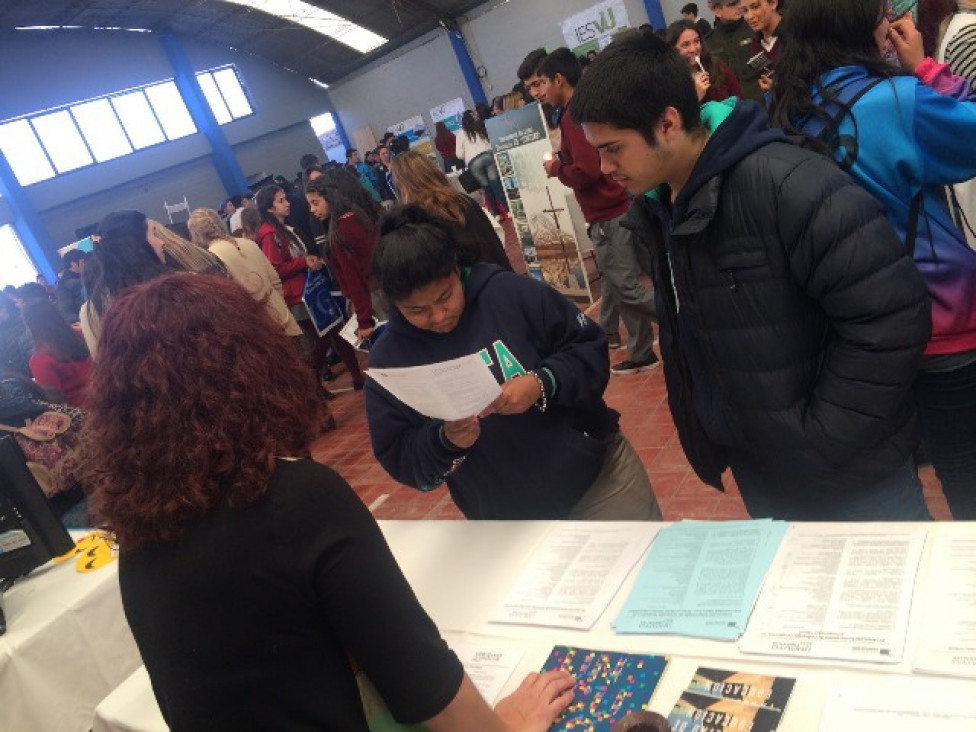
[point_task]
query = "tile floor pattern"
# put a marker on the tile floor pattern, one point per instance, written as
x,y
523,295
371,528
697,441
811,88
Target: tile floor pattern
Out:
x,y
644,418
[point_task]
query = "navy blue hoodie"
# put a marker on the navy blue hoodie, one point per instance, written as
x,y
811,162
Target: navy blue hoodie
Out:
x,y
535,465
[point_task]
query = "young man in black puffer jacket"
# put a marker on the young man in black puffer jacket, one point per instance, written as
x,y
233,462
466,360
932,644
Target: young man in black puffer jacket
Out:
x,y
792,322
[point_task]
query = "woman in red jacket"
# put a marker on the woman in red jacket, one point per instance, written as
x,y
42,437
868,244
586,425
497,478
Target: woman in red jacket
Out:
x,y
291,260
350,216
60,360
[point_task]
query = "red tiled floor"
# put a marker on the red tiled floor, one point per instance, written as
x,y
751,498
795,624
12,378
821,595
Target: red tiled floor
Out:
x,y
645,420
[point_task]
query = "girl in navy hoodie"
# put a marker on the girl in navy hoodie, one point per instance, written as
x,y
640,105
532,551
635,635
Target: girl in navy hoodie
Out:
x,y
548,447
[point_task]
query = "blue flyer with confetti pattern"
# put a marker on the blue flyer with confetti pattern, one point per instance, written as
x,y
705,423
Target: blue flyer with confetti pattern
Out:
x,y
608,686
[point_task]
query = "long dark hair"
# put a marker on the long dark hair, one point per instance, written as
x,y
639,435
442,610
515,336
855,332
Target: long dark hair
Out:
x,y
48,329
824,35
344,194
124,257
473,126
263,200
711,65
443,134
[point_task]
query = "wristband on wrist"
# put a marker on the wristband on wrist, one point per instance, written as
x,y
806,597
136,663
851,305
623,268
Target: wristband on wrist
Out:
x,y
541,403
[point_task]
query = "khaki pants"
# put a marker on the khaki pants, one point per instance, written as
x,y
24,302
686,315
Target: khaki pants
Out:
x,y
622,491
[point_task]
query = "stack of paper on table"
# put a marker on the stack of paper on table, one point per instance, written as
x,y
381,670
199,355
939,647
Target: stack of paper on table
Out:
x,y
574,574
488,664
701,579
948,645
841,592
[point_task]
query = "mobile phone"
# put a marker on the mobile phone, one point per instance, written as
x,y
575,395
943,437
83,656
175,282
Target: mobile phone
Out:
x,y
761,64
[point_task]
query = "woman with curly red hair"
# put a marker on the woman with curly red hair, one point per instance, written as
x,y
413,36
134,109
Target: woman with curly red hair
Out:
x,y
255,580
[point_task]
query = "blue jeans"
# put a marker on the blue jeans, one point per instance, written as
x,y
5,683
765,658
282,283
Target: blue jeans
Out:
x,y
947,408
896,498
485,171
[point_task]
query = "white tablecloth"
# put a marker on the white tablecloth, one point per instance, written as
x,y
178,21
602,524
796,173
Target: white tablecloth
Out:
x,y
67,646
461,570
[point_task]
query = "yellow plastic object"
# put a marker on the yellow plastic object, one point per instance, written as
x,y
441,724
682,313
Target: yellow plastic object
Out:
x,y
93,551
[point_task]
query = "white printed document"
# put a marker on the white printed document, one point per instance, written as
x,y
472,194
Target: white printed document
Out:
x,y
948,642
838,591
575,573
448,390
489,665
701,579
903,705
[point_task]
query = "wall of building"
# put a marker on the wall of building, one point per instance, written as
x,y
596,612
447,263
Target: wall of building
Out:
x,y
425,73
499,36
409,82
40,69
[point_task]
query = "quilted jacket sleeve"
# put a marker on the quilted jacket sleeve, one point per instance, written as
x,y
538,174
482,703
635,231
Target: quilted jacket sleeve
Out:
x,y
847,257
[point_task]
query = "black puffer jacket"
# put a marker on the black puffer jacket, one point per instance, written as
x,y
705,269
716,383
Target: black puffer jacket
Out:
x,y
808,318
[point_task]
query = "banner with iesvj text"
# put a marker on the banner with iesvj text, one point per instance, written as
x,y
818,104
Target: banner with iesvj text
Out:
x,y
594,28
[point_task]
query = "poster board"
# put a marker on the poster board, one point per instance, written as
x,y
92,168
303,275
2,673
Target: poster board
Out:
x,y
416,131
449,113
594,28
363,139
536,202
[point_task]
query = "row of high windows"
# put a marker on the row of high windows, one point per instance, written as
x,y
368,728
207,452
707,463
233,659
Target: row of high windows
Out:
x,y
42,145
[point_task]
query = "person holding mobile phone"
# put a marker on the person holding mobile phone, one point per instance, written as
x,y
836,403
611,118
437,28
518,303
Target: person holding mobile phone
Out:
x,y
764,19
731,42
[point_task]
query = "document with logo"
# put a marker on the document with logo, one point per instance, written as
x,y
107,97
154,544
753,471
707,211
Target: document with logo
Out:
x,y
948,645
575,573
839,591
488,665
701,579
448,390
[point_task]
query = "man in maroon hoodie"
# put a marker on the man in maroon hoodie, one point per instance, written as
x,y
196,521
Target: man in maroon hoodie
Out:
x,y
603,202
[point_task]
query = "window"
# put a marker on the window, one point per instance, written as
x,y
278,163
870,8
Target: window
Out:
x,y
224,92
137,117
60,137
42,145
24,153
324,127
170,110
214,98
102,130
233,93
16,268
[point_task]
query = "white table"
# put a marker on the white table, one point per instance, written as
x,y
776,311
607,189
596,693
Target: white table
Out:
x,y
67,646
461,570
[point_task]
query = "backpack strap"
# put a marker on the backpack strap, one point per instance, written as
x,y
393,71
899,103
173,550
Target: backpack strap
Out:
x,y
848,96
913,212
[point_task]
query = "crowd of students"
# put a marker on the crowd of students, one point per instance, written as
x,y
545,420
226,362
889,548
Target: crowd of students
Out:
x,y
815,299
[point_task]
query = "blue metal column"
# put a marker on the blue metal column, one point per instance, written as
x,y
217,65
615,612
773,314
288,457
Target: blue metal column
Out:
x,y
468,69
185,77
655,15
28,225
338,122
